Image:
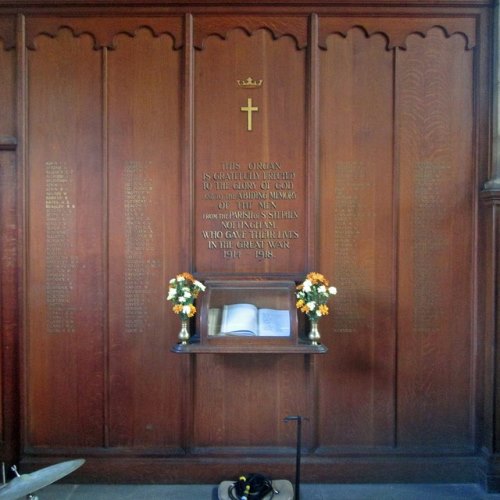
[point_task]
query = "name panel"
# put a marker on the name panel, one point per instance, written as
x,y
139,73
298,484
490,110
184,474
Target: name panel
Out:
x,y
356,224
64,308
144,222
434,253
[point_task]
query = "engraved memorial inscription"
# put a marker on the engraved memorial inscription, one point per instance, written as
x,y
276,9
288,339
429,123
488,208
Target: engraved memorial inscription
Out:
x,y
139,236
428,245
253,210
60,260
354,213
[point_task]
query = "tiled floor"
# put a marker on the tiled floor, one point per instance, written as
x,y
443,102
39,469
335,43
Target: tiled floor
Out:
x,y
307,492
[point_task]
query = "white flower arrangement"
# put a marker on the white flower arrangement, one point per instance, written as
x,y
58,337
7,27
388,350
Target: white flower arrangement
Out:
x,y
313,294
182,291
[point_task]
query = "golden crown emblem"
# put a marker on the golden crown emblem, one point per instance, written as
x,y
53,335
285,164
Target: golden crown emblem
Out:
x,y
249,83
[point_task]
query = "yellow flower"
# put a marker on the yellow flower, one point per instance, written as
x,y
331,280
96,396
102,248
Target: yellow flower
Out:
x,y
323,309
299,303
177,309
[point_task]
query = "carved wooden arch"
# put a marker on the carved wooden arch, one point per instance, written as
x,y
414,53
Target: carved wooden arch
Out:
x,y
8,32
396,30
105,30
292,26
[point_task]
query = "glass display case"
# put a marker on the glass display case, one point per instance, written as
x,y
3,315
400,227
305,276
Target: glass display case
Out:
x,y
249,316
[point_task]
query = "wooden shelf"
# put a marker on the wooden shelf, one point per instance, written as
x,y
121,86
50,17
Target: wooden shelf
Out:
x,y
195,347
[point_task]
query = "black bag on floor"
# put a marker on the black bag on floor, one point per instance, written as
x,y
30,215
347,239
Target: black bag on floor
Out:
x,y
251,487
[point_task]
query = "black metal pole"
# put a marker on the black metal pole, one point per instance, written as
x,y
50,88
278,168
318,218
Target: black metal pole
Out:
x,y
298,418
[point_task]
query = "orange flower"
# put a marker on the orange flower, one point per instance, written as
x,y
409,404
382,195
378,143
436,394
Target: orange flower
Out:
x,y
323,309
187,276
317,278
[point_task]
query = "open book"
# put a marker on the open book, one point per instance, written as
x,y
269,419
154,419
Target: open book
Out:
x,y
247,319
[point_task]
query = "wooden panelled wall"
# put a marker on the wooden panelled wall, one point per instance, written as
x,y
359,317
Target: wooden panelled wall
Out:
x,y
108,123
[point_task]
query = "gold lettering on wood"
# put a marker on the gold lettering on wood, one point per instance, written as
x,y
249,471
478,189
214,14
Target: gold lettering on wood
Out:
x,y
60,257
140,264
354,227
252,210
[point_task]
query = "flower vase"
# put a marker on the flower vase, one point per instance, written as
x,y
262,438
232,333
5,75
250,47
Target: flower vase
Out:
x,y
314,335
184,333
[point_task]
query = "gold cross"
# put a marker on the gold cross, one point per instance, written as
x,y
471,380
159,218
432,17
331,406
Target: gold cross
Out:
x,y
249,110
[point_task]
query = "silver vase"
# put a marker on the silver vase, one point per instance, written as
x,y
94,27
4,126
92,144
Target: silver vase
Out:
x,y
184,332
314,335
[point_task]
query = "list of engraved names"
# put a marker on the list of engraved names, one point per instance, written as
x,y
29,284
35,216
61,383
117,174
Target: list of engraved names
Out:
x,y
140,265
251,210
60,260
428,245
354,223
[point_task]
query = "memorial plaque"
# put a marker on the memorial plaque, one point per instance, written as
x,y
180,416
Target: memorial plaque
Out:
x,y
159,142
251,211
250,204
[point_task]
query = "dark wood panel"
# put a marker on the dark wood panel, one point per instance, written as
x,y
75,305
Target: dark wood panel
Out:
x,y
113,128
8,93
396,30
145,225
86,6
241,400
206,26
250,214
436,334
9,307
490,439
356,241
378,468
65,280
103,30
8,32
491,214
